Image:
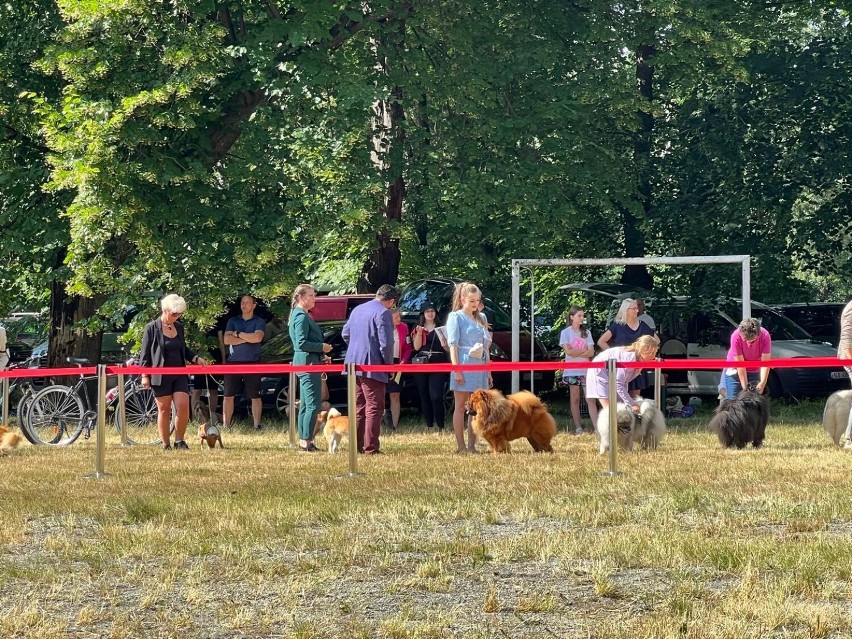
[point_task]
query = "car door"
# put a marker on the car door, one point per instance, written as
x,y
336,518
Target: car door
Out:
x,y
708,337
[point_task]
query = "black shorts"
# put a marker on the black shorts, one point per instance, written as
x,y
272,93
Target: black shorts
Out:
x,y
249,381
170,385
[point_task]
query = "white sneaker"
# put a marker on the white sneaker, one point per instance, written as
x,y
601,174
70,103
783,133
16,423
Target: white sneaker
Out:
x,y
848,444
578,430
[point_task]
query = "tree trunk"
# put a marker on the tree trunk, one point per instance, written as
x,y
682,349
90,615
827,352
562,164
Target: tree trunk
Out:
x,y
382,265
634,238
65,340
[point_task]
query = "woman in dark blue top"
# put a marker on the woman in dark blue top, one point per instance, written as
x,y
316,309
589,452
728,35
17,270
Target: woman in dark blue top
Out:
x,y
625,329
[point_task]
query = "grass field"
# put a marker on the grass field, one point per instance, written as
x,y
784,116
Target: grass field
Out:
x,y
259,540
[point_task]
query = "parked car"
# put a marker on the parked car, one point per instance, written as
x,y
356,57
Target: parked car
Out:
x,y
275,387
336,307
439,291
820,319
690,329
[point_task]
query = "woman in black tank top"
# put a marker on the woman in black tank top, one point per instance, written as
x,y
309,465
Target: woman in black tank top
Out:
x,y
164,346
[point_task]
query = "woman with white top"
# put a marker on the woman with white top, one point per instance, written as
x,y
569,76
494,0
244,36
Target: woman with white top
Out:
x,y
579,346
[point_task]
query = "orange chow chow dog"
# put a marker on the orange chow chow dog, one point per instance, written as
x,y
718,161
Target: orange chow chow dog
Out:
x,y
499,420
8,440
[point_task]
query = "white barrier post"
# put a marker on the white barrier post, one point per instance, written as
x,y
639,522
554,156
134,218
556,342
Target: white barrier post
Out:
x,y
100,434
353,424
658,386
121,414
613,420
291,408
6,402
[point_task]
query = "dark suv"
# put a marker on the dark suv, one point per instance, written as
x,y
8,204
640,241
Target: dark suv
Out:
x,y
820,319
439,291
274,387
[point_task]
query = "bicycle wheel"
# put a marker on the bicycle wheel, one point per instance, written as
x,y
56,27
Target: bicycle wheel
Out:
x,y
23,408
55,417
140,409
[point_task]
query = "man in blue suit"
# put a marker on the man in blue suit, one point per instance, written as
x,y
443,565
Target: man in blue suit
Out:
x,y
369,334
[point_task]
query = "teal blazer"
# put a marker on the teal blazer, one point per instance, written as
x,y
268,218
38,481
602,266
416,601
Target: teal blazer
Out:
x,y
307,338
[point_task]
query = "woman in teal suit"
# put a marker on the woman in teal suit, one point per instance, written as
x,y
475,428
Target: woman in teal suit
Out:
x,y
308,348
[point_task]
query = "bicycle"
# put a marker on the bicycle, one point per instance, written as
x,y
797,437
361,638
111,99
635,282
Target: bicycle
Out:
x,y
21,393
140,410
59,414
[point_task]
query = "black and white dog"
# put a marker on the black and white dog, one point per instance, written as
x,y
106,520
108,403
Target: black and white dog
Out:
x,y
742,420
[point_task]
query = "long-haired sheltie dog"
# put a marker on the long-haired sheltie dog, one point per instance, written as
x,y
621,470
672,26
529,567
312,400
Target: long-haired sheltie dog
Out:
x,y
500,420
835,416
742,420
646,429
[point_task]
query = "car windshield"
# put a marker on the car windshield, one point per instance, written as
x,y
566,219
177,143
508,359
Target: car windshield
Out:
x,y
779,327
280,347
440,293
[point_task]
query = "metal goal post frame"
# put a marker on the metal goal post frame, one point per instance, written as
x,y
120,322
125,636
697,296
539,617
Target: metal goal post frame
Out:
x,y
518,264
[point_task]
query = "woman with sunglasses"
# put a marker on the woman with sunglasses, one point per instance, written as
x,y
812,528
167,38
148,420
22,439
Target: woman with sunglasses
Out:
x,y
164,345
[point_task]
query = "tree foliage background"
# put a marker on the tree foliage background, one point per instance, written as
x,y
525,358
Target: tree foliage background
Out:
x,y
212,147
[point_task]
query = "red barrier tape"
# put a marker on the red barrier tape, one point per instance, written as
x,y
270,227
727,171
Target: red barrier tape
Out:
x,y
242,369
47,372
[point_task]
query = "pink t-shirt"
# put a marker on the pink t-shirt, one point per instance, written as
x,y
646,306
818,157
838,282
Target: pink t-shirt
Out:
x,y
750,352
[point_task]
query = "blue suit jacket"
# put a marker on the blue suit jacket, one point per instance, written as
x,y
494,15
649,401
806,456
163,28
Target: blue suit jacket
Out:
x,y
369,334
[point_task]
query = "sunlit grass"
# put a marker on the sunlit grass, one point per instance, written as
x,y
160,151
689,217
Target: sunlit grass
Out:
x,y
261,540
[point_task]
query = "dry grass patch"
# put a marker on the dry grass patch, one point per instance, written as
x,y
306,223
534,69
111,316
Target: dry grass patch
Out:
x,y
261,541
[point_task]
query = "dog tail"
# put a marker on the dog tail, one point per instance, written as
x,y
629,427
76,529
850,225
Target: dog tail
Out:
x,y
333,412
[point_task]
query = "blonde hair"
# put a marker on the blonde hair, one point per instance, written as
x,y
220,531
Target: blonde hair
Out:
x,y
621,316
300,290
645,345
465,290
173,303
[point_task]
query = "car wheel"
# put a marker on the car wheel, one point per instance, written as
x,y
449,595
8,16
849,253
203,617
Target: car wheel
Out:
x,y
777,390
282,400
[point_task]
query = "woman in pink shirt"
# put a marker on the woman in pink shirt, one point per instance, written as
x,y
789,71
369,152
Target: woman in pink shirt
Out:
x,y
749,343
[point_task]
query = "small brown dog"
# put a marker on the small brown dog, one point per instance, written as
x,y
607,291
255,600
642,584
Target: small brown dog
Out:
x,y
499,420
8,440
336,428
206,431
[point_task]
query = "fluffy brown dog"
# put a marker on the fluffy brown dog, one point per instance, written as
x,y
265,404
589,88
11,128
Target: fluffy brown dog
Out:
x,y
8,440
499,420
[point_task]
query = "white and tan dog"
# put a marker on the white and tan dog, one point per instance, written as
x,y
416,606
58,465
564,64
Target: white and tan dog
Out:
x,y
336,428
835,415
646,429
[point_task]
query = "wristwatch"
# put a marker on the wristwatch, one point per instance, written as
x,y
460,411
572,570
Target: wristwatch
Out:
x,y
236,333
